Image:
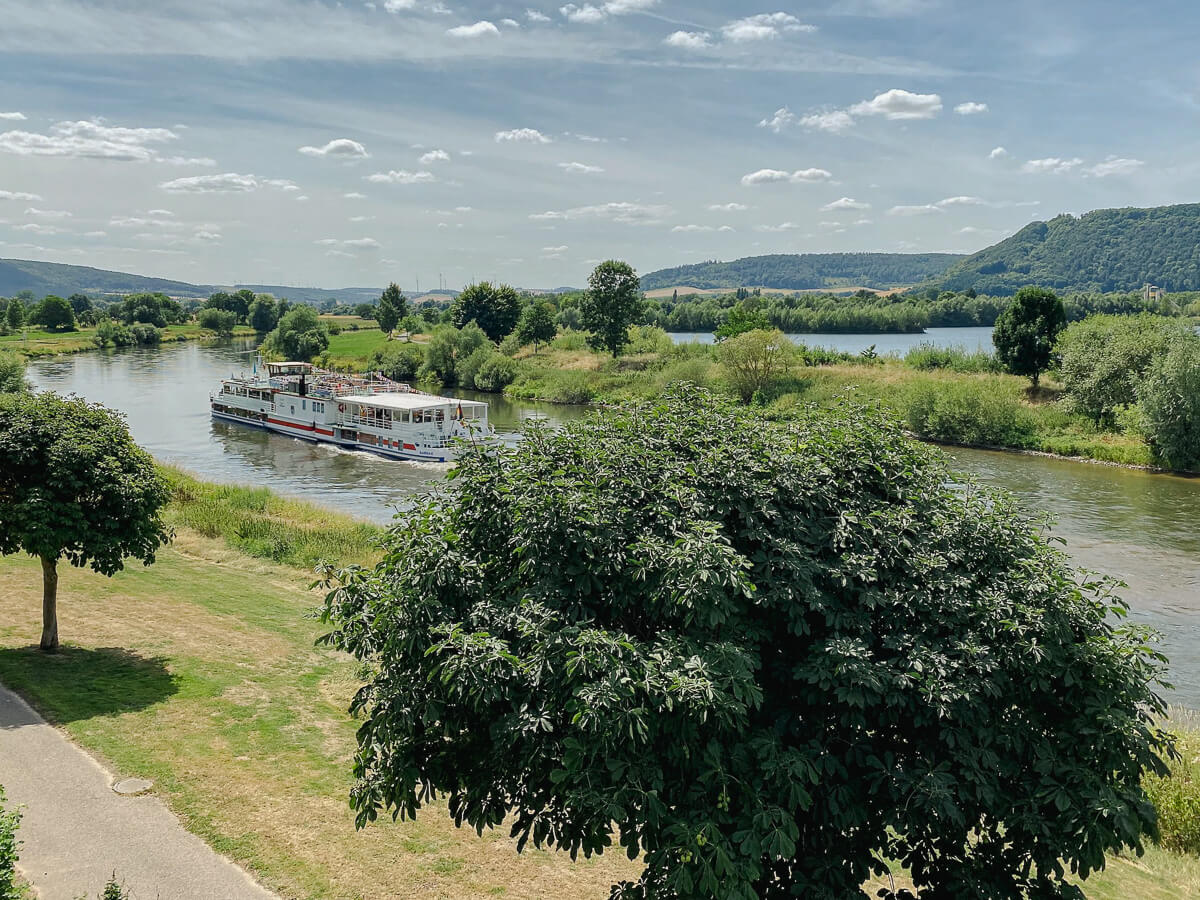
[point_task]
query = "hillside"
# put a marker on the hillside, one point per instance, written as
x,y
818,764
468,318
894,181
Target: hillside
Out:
x,y
43,278
806,271
1105,250
56,278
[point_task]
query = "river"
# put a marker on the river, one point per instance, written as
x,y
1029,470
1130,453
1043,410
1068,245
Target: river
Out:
x,y
969,339
1136,526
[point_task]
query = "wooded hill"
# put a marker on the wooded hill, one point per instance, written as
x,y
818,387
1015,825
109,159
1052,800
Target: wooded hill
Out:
x,y
806,271
1105,250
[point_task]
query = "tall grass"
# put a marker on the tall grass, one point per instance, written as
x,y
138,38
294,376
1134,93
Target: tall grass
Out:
x,y
967,412
260,523
925,357
1177,796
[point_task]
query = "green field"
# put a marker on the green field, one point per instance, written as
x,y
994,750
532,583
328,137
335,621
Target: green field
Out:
x,y
40,342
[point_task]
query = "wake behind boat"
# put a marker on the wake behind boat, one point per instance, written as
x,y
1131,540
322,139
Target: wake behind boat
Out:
x,y
360,412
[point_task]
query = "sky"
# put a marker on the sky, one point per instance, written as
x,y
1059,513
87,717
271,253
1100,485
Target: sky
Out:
x,y
334,144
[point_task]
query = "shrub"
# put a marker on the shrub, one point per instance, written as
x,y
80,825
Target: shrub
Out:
x,y
466,368
962,411
497,373
114,334
113,890
754,359
1103,358
571,340
449,348
1176,796
571,387
144,334
9,820
12,373
648,339
397,361
1169,396
759,659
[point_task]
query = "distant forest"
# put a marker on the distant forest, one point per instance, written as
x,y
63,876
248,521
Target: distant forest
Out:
x,y
806,271
1102,251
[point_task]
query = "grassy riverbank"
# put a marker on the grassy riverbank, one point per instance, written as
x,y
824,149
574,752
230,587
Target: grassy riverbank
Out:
x,y
40,342
201,673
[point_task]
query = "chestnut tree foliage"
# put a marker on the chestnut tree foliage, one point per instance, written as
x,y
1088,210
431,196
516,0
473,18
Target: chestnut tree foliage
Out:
x,y
763,658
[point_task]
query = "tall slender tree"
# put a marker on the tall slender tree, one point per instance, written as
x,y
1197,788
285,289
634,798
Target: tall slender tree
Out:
x,y
393,306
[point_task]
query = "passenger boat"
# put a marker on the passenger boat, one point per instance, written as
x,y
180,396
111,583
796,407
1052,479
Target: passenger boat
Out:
x,y
360,412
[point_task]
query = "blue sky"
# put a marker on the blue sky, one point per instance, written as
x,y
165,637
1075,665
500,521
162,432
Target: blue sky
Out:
x,y
333,144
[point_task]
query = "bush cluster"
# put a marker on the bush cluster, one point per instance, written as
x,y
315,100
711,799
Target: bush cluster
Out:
x,y
967,412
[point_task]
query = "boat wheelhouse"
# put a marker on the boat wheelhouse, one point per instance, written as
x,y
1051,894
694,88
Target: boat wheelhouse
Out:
x,y
360,412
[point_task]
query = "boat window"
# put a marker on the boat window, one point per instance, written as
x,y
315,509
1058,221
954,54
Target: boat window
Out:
x,y
405,417
304,404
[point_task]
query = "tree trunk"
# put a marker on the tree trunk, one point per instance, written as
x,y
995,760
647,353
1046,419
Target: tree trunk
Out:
x,y
49,605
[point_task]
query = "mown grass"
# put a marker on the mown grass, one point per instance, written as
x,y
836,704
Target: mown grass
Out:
x,y
201,673
263,524
350,350
40,342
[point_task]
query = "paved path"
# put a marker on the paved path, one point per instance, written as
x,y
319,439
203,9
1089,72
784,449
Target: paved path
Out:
x,y
76,831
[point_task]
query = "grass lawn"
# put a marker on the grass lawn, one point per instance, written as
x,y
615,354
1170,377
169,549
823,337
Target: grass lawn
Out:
x,y
200,673
40,342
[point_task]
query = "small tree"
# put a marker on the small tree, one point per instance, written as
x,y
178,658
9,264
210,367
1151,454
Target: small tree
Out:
x,y
80,303
393,306
762,658
54,314
1025,332
754,360
74,485
612,304
263,315
15,314
536,325
222,321
495,307
741,319
298,336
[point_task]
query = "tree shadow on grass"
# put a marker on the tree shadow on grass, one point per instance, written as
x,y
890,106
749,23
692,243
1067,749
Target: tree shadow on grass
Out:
x,y
79,683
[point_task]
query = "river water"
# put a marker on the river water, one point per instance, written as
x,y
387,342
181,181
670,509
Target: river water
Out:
x,y
1139,527
969,339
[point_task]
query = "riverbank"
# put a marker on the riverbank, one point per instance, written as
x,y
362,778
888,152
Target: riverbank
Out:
x,y
201,673
37,342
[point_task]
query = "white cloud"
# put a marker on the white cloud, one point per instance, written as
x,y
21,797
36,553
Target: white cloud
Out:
x,y
228,183
686,229
834,121
510,23
395,6
998,153
578,168
785,226
400,176
782,118
434,156
364,243
47,213
624,213
689,40
95,234
923,210
357,219
961,201
1115,166
282,183
535,15
774,176
153,219
19,195
845,203
561,249
91,140
1051,165
339,148
971,108
203,235
586,14
36,228
764,26
899,104
728,207
479,29
590,14
522,135
13,116
355,195
160,212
